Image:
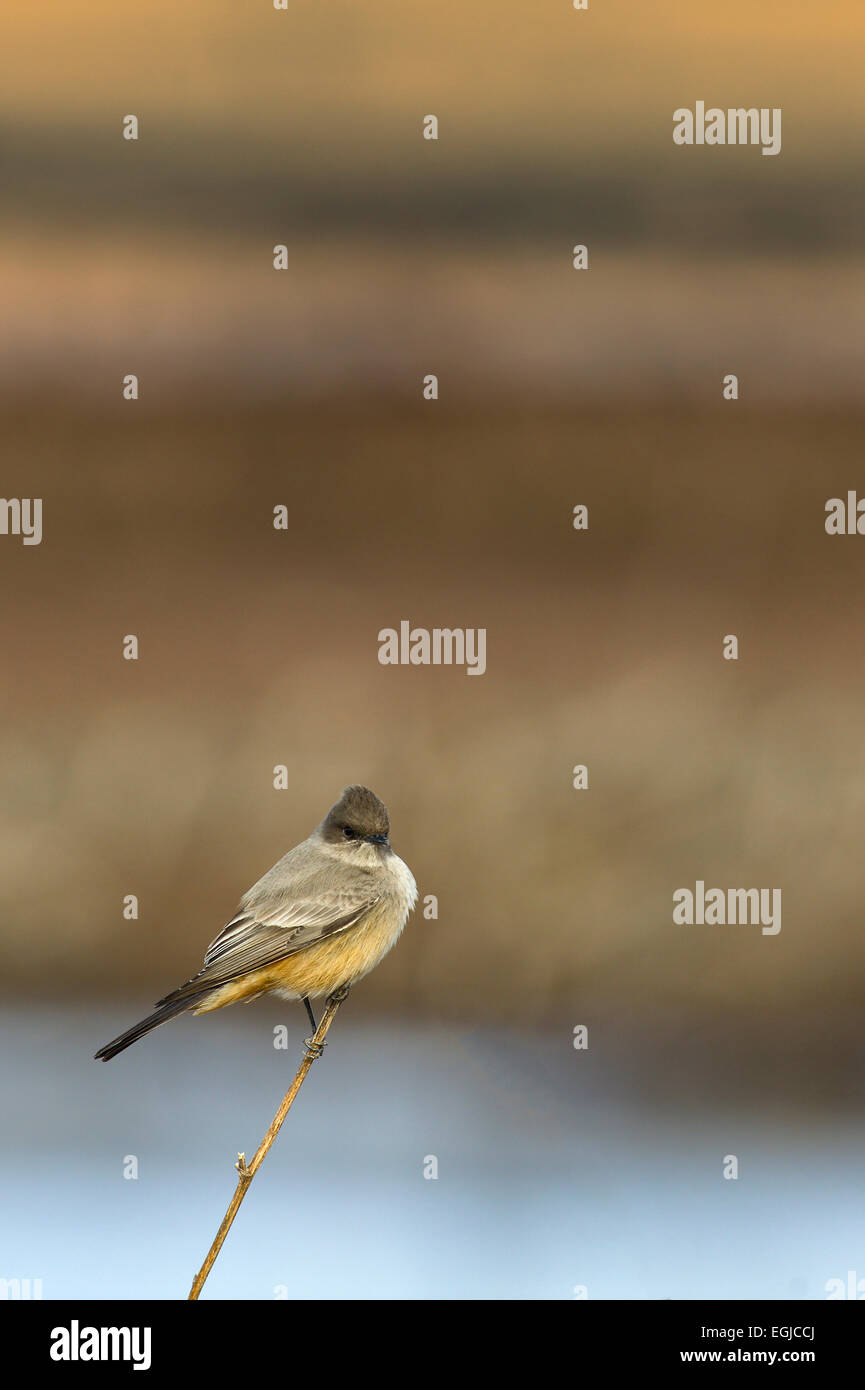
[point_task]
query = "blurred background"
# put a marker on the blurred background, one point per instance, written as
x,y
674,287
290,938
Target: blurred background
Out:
x,y
557,1168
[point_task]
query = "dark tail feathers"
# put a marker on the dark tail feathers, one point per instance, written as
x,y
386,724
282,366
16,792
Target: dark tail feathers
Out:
x,y
170,1008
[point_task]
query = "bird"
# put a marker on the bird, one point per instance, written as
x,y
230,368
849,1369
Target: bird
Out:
x,y
313,925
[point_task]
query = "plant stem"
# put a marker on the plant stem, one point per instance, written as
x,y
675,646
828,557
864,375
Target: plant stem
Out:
x,y
248,1173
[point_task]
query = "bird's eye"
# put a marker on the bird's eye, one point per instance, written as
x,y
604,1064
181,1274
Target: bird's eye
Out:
x,y
348,832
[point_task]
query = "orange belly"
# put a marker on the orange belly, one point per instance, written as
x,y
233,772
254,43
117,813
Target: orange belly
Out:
x,y
318,969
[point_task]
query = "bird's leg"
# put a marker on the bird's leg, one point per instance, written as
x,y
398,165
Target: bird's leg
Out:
x,y
314,1050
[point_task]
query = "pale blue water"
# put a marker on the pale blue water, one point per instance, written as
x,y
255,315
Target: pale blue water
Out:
x,y
553,1172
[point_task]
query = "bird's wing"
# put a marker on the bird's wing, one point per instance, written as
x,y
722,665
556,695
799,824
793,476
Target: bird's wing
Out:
x,y
255,939
281,930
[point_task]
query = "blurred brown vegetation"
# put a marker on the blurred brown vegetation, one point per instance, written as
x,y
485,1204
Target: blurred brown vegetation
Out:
x,y
259,647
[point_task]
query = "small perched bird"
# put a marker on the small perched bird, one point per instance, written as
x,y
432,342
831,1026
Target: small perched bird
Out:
x,y
321,918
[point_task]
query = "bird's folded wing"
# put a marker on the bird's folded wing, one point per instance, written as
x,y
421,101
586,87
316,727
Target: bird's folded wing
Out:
x,y
253,940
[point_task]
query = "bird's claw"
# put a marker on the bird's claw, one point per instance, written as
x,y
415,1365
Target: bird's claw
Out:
x,y
314,1049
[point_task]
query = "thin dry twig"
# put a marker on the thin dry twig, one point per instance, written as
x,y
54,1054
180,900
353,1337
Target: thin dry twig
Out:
x,y
248,1173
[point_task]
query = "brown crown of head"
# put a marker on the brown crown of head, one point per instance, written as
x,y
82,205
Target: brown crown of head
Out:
x,y
358,815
